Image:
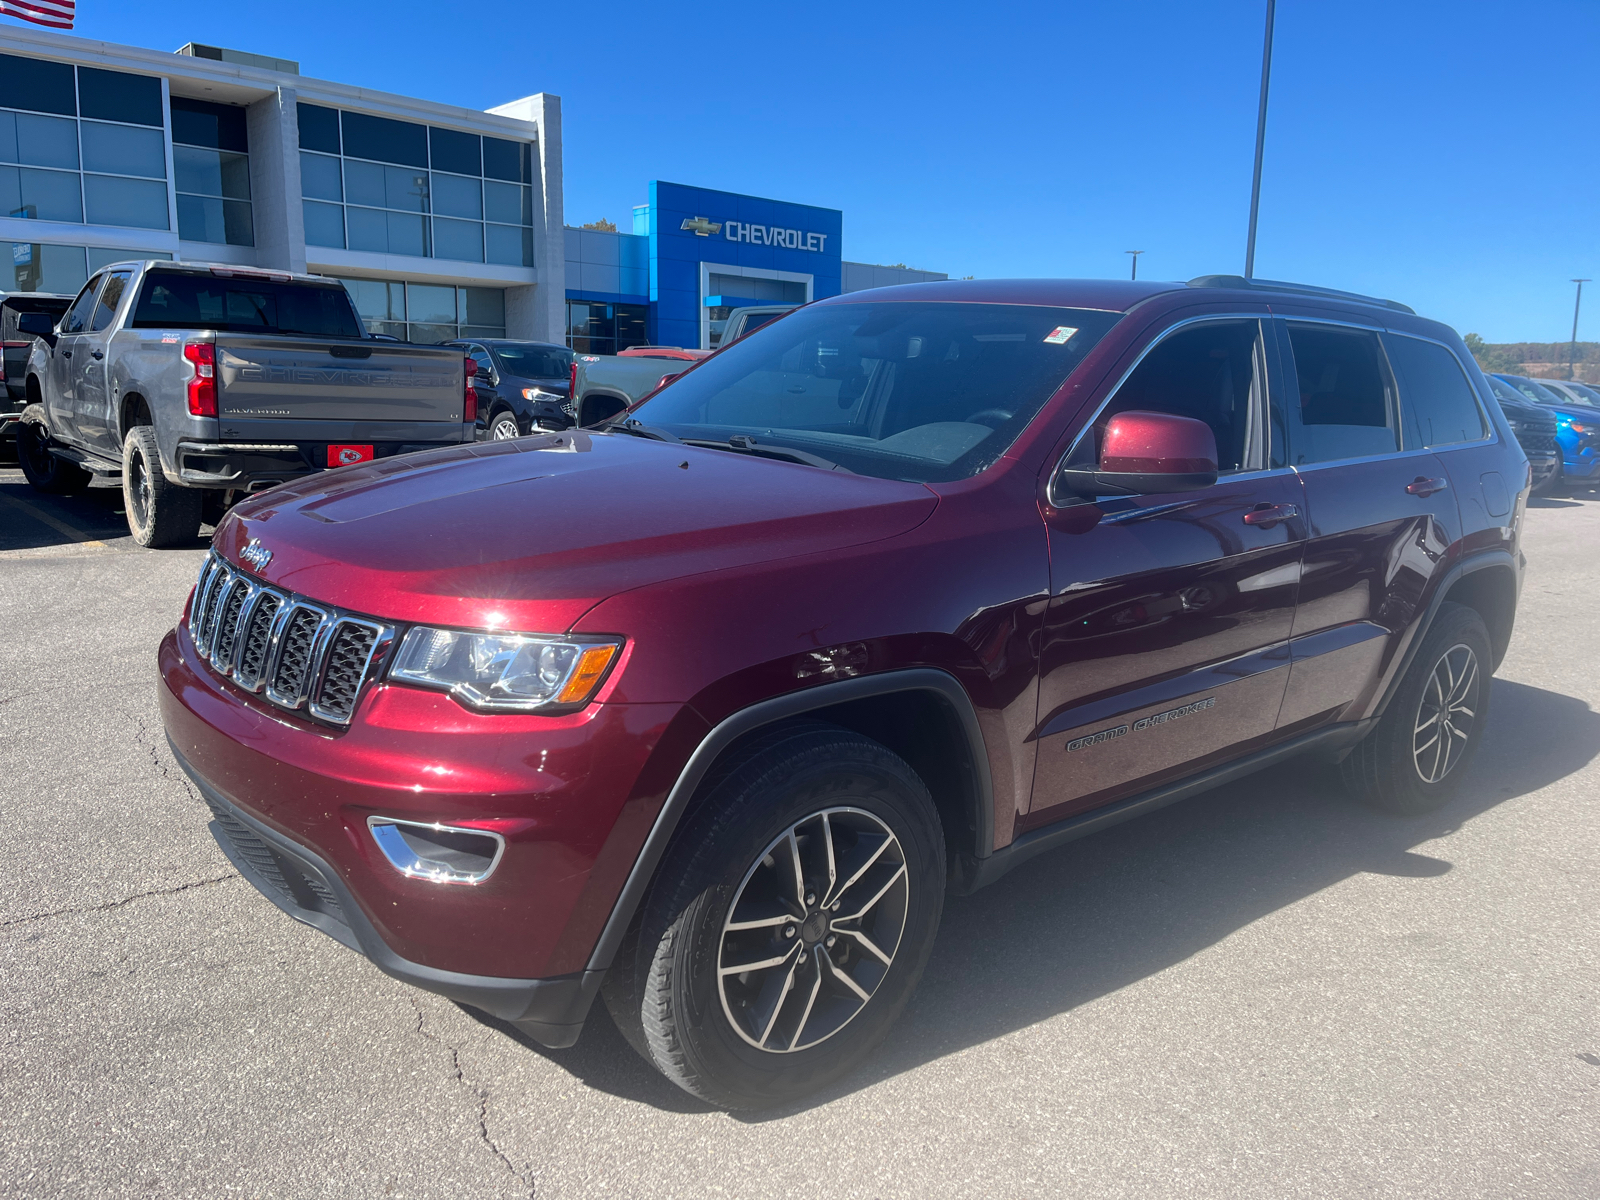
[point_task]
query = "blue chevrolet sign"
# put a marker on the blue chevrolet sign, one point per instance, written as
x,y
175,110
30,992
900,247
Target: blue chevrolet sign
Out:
x,y
694,231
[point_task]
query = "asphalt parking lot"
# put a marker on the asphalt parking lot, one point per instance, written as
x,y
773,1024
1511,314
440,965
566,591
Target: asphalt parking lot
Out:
x,y
1264,992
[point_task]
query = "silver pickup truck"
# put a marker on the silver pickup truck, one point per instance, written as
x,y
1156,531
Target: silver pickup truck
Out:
x,y
198,384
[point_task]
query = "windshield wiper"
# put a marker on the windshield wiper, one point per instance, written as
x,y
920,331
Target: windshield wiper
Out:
x,y
741,444
639,429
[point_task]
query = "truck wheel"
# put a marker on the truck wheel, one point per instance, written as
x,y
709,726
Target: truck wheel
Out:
x,y
159,512
1555,483
1414,761
44,470
789,923
503,427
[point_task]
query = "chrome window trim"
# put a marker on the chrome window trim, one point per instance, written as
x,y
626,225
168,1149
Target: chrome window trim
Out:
x,y
1066,456
1360,458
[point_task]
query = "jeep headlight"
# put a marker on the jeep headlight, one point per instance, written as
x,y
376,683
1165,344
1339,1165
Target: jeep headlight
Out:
x,y
517,672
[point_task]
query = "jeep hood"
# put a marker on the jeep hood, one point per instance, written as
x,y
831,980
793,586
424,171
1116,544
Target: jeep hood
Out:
x,y
529,534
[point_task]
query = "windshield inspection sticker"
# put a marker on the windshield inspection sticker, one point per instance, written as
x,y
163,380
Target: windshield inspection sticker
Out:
x,y
1060,335
1143,723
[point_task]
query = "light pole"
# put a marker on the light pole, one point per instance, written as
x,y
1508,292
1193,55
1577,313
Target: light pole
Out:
x,y
1261,144
1135,254
1572,353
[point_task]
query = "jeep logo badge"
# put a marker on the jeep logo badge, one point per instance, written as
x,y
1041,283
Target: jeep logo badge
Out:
x,y
257,555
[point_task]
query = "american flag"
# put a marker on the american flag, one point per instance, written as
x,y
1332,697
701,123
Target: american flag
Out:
x,y
57,14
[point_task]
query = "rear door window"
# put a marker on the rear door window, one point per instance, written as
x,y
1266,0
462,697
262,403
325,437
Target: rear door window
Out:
x,y
110,298
1438,406
1340,403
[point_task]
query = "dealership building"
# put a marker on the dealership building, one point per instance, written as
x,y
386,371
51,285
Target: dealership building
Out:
x,y
443,222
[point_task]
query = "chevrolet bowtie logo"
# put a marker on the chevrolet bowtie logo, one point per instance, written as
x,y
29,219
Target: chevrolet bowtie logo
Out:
x,y
701,226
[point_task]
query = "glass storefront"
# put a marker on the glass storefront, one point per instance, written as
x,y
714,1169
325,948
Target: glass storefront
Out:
x,y
428,312
594,328
81,145
394,187
212,169
32,267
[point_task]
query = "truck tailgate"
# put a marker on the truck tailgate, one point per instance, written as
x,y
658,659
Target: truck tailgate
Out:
x,y
278,378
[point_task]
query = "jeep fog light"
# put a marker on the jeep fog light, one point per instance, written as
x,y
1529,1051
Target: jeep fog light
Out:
x,y
438,853
517,672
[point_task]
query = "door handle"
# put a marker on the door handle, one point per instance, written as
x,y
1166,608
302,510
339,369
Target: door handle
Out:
x,y
96,355
1264,516
1423,486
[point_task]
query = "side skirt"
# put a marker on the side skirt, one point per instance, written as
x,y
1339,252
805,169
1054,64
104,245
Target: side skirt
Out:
x,y
975,873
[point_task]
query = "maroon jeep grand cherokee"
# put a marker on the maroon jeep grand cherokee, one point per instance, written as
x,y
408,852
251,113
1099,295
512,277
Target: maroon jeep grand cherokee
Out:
x,y
704,710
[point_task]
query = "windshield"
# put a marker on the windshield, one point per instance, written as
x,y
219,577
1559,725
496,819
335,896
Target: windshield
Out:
x,y
534,362
173,300
918,391
1534,391
1504,391
1585,394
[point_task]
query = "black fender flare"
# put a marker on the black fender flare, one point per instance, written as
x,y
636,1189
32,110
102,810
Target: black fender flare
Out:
x,y
1484,560
768,712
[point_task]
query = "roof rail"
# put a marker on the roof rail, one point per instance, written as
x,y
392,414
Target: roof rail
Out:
x,y
1275,285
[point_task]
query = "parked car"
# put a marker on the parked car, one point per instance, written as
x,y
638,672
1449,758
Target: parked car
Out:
x,y
14,348
1535,430
741,321
881,600
188,381
603,385
1571,389
522,386
1577,432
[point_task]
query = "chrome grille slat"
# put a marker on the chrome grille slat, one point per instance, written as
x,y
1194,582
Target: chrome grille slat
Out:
x,y
350,648
301,655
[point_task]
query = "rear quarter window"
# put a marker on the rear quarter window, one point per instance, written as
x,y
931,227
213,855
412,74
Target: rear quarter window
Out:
x,y
1438,406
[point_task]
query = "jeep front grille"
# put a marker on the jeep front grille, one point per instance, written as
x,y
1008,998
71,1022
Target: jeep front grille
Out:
x,y
301,655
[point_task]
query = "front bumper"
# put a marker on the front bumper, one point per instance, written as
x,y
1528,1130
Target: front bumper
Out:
x,y
305,886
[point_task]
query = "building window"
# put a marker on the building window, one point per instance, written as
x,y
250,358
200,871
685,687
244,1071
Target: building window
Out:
x,y
81,145
211,165
35,267
606,328
395,187
428,313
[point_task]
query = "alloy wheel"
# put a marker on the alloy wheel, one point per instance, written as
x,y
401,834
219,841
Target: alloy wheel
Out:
x,y
1446,714
505,428
813,930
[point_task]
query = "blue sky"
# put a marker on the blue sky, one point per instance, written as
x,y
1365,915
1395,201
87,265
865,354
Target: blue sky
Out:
x,y
1441,154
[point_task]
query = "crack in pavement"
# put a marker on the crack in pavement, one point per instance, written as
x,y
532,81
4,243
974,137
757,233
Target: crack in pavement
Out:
x,y
143,738
111,904
482,1093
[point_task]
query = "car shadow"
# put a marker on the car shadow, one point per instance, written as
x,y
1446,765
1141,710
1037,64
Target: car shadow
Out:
x,y
1084,921
32,520
1549,502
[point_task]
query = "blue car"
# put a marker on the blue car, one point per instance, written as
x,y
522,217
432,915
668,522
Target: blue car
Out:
x,y
1577,429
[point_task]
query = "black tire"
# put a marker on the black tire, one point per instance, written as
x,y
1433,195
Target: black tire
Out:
x,y
665,990
503,426
1396,768
1555,483
160,513
44,470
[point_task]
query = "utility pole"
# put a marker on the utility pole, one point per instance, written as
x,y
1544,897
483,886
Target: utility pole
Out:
x,y
1261,144
1572,352
1135,254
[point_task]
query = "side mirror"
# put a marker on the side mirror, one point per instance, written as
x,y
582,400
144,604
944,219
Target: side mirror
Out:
x,y
39,325
1148,452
